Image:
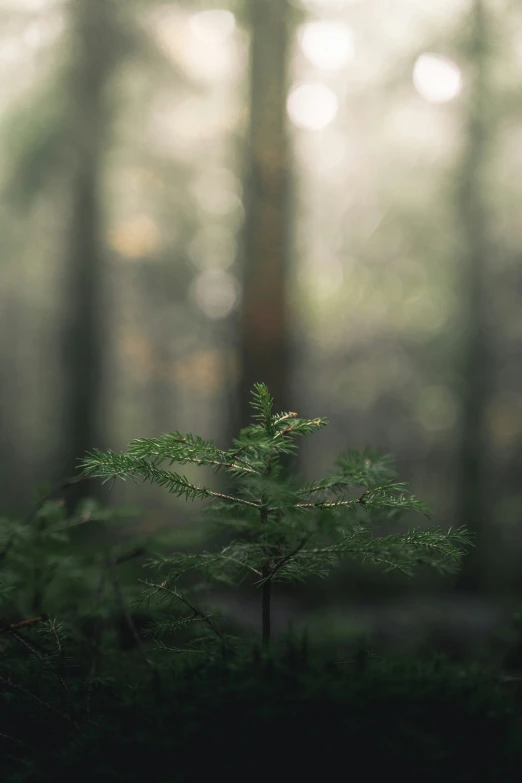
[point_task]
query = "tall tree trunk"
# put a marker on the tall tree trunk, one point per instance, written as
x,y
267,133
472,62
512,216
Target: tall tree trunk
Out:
x,y
474,500
84,327
12,490
264,325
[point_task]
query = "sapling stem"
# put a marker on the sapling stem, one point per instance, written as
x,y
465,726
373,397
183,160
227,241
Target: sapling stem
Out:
x,y
265,607
266,590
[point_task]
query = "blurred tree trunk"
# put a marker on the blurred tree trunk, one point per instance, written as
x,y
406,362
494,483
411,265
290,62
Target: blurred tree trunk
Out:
x,y
12,490
474,484
264,351
84,326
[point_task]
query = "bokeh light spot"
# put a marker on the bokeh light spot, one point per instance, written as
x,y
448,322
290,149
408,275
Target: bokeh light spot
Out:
x,y
212,26
312,106
436,79
216,293
213,248
327,45
136,237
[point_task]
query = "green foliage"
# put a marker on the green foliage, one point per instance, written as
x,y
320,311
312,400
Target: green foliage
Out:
x,y
38,567
78,700
283,530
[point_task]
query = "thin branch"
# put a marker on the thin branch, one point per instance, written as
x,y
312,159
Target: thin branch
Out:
x,y
336,482
15,687
82,520
22,623
137,552
223,556
291,415
38,505
189,487
197,612
60,675
95,644
222,453
322,550
160,476
245,467
13,739
335,504
239,562
284,560
232,498
125,612
178,650
41,658
64,484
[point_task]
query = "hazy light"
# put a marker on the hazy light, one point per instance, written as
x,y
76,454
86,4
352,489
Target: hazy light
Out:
x,y
212,26
135,238
179,127
11,51
216,293
436,78
328,5
332,152
213,248
326,152
43,31
207,60
205,370
436,408
29,5
37,33
200,44
410,123
218,192
327,45
504,416
312,106
324,274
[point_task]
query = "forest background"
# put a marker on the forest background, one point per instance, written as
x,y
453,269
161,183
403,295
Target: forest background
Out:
x,y
322,195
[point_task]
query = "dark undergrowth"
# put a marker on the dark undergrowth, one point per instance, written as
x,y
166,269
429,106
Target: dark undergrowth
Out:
x,y
261,716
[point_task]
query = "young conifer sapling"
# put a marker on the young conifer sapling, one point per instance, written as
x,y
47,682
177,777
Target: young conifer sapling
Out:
x,y
283,530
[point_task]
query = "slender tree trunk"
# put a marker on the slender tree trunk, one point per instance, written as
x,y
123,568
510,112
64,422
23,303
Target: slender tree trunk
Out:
x,y
264,325
84,326
160,291
266,610
477,355
12,491
266,595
